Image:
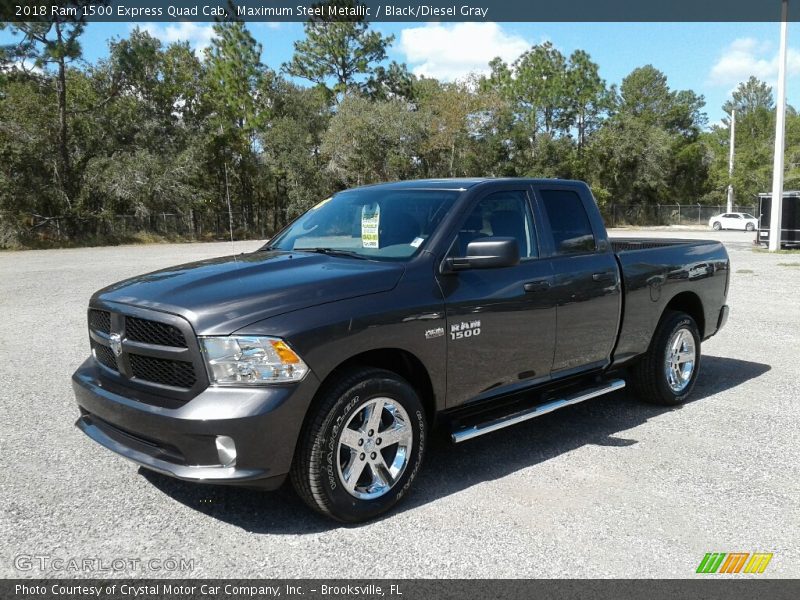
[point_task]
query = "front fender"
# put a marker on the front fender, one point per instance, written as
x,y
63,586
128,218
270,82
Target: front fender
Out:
x,y
328,335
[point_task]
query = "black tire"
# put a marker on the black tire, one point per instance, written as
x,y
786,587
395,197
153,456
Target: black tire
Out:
x,y
318,471
750,227
650,379
717,225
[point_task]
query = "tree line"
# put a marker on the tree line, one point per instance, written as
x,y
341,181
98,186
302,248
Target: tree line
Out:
x,y
154,128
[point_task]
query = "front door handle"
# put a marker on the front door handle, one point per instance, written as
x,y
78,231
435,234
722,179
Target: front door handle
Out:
x,y
537,286
605,276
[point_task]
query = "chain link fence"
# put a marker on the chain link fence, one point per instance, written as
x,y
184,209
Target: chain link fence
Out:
x,y
619,215
207,226
193,225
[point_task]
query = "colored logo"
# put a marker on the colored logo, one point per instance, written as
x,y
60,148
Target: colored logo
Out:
x,y
734,562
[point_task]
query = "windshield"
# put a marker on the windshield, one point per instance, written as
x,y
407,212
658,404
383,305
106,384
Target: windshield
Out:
x,y
748,216
370,223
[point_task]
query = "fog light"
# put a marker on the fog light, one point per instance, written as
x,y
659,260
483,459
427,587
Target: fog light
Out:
x,y
226,450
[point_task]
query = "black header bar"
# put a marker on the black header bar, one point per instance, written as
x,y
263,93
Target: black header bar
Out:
x,y
708,588
410,11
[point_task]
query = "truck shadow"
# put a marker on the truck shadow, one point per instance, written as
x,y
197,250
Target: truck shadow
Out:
x,y
452,468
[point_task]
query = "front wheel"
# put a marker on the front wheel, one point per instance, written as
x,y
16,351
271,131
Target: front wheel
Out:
x,y
717,225
668,371
362,447
750,227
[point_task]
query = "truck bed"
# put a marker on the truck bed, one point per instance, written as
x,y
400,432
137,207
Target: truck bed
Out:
x,y
657,270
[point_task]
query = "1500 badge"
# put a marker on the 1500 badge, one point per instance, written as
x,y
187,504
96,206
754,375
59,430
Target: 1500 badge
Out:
x,y
460,331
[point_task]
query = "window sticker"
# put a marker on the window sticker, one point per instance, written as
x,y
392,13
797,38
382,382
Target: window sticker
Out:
x,y
370,224
417,242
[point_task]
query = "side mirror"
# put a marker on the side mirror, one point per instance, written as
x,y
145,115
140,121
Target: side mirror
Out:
x,y
487,253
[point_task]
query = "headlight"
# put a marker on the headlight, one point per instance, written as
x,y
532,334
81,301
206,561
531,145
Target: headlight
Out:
x,y
244,360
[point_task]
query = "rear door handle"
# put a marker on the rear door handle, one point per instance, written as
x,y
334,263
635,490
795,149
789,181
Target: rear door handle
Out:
x,y
537,286
605,276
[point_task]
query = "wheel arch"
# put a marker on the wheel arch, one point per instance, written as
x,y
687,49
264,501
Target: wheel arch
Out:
x,y
398,361
689,303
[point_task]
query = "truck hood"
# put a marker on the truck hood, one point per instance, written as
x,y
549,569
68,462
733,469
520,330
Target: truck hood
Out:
x,y
220,296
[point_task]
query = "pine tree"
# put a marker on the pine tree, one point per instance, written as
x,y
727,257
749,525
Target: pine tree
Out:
x,y
234,82
340,51
53,42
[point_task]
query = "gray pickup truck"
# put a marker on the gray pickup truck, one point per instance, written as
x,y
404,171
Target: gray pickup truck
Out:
x,y
328,355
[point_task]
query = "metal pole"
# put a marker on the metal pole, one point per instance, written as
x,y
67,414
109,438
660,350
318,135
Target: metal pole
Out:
x,y
730,162
780,129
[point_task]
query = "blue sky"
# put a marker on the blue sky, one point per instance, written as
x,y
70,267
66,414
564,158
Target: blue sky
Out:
x,y
709,58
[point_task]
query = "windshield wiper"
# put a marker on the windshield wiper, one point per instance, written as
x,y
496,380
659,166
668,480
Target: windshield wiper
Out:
x,y
333,252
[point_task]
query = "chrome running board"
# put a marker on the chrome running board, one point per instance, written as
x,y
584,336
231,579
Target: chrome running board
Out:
x,y
473,431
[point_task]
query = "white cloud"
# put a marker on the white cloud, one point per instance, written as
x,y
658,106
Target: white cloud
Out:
x,y
451,52
198,35
22,65
272,25
748,56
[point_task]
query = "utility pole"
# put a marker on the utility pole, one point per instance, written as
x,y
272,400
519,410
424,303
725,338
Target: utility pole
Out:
x,y
776,210
730,162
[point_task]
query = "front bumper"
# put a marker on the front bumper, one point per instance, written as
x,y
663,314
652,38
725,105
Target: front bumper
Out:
x,y
180,441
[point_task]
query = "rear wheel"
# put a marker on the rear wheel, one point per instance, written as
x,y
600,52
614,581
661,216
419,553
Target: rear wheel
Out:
x,y
362,447
717,225
668,371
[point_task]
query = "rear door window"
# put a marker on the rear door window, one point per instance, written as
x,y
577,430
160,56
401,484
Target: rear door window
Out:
x,y
569,224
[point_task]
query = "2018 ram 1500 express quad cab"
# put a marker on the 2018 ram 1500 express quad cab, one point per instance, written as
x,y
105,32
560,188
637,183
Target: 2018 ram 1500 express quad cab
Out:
x,y
327,355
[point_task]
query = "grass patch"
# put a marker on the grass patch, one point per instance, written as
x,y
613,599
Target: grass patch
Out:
x,y
794,264
745,271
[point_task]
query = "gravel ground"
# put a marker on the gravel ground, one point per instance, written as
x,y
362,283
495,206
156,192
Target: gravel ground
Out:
x,y
608,488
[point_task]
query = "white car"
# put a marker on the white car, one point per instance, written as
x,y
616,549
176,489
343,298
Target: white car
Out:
x,y
743,221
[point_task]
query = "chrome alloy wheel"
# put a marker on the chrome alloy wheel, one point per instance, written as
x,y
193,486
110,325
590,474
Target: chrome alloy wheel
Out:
x,y
680,360
374,448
